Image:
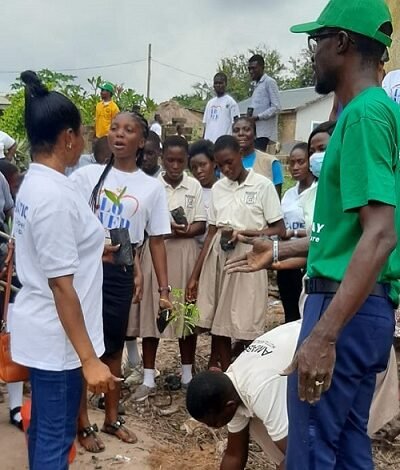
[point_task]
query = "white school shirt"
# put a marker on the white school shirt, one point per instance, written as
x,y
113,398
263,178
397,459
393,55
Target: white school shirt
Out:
x,y
218,117
56,234
292,210
251,205
143,205
255,374
189,195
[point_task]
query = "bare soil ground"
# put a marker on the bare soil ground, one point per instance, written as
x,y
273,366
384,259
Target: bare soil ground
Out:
x,y
168,439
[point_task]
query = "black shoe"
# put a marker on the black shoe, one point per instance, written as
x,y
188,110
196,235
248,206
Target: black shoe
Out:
x,y
13,421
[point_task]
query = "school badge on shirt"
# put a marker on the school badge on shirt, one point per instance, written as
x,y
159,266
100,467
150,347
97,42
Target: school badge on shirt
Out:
x,y
189,201
250,197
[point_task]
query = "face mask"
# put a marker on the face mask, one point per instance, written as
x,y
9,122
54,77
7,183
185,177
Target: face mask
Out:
x,y
316,160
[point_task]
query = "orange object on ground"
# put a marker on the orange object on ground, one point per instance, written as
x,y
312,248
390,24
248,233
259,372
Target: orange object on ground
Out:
x,y
26,419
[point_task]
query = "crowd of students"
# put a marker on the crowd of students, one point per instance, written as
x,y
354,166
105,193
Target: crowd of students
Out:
x,y
187,211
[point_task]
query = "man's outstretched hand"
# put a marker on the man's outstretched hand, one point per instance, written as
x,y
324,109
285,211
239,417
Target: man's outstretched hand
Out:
x,y
260,257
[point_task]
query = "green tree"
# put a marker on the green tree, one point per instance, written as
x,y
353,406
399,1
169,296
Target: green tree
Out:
x,y
12,120
301,72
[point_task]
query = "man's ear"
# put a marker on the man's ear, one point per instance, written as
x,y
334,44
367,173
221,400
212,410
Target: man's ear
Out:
x,y
343,43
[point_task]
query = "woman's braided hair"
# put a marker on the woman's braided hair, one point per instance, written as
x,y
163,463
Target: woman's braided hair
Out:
x,y
139,158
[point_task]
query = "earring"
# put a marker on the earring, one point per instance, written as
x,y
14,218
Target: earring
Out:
x,y
69,146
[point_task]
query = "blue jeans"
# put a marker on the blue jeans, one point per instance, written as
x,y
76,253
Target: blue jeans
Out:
x,y
332,434
55,407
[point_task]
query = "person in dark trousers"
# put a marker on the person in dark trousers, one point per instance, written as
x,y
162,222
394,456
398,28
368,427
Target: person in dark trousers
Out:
x,y
265,103
353,260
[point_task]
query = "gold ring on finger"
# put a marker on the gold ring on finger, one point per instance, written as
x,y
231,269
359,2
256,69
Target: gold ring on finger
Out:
x,y
319,383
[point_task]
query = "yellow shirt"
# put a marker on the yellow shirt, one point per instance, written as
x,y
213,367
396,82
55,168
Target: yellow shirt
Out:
x,y
105,113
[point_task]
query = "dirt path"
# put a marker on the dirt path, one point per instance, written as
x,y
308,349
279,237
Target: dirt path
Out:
x,y
168,440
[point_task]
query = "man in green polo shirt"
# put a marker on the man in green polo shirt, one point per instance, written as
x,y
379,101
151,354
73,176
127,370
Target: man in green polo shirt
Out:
x,y
353,260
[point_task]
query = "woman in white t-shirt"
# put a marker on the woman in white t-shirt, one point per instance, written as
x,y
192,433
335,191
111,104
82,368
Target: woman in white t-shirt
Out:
x,y
122,195
56,327
290,280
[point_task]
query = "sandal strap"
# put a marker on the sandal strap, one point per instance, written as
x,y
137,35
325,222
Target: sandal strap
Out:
x,y
117,424
89,430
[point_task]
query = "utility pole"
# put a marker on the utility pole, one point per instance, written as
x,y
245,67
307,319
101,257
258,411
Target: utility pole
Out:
x,y
148,72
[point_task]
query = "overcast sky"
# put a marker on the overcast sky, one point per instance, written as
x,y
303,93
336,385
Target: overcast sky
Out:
x,y
191,35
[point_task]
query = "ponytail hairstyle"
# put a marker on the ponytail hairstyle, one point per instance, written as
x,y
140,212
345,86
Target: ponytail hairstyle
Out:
x,y
94,197
47,114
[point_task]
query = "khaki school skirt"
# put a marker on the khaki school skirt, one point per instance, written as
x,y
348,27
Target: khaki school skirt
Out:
x,y
231,305
181,258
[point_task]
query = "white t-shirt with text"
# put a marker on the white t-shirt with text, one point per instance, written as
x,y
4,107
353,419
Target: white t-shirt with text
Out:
x,y
256,377
56,234
218,117
143,204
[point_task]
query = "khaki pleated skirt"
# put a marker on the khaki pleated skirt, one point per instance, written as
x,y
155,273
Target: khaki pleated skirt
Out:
x,y
231,305
181,258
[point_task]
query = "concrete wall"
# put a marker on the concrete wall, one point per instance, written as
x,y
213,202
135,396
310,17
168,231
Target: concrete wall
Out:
x,y
316,112
394,51
287,127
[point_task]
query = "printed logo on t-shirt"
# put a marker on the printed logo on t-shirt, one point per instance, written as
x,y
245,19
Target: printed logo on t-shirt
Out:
x,y
189,201
261,347
214,112
113,215
316,231
250,197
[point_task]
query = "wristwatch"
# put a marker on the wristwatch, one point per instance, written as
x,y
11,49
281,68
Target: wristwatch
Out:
x,y
165,289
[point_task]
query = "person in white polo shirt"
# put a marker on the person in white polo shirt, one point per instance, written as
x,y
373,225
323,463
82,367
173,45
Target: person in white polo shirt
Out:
x,y
221,111
56,324
250,397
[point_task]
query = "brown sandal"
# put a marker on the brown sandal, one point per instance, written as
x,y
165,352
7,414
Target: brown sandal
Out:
x,y
114,429
87,435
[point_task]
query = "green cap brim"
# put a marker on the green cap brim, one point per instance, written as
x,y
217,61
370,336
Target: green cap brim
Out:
x,y
306,27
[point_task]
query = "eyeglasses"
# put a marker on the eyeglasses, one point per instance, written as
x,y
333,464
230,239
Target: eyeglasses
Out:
x,y
313,41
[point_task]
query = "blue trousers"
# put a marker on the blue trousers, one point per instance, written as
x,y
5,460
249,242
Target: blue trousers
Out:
x,y
332,434
55,407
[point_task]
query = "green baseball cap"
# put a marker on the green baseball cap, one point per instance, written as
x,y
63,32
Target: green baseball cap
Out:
x,y
107,86
360,16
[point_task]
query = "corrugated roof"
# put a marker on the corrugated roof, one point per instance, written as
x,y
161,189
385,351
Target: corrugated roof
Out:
x,y
290,99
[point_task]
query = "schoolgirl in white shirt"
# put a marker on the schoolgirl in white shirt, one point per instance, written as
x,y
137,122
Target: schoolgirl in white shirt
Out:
x,y
233,306
182,250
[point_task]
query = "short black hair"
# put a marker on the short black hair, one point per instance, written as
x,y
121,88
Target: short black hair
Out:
x,y
221,75
248,120
207,394
47,114
257,58
301,146
175,141
326,127
101,145
203,146
7,168
154,138
226,142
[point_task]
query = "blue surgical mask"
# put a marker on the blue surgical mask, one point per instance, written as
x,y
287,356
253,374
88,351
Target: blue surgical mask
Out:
x,y
316,160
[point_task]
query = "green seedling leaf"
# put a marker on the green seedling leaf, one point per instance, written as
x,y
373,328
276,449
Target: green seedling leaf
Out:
x,y
112,197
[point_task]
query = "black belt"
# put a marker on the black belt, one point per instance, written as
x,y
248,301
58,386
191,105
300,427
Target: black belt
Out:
x,y
318,285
